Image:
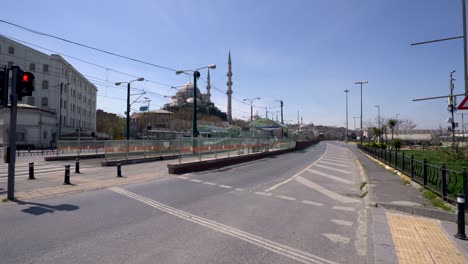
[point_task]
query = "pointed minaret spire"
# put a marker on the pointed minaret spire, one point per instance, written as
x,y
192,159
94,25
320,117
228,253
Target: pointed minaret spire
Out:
x,y
208,87
229,89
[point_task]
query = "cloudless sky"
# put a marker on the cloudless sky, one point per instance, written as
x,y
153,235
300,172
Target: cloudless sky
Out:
x,y
305,53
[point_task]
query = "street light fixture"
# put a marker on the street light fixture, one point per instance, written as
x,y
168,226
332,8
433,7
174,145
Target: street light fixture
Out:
x,y
251,106
128,102
346,136
361,83
196,75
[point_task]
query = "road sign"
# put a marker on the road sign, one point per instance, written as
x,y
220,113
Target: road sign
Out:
x,y
464,104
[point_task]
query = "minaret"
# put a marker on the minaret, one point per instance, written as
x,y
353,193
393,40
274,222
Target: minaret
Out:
x,y
208,87
229,89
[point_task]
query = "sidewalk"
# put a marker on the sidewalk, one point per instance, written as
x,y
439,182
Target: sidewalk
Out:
x,y
400,236
90,178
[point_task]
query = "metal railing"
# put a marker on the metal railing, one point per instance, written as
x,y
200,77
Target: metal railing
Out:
x,y
446,183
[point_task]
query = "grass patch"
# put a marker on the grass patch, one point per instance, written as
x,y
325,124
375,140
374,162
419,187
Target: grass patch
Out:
x,y
436,158
362,185
362,164
363,194
436,201
5,200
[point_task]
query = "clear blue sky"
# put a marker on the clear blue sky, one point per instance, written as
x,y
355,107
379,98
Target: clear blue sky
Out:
x,y
305,53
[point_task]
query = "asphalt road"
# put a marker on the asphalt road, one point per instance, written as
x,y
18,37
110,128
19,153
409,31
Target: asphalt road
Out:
x,y
301,207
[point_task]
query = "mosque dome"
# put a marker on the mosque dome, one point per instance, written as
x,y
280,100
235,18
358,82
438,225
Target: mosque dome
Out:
x,y
188,90
190,101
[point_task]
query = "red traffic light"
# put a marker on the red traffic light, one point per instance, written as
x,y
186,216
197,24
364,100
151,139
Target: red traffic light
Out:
x,y
27,77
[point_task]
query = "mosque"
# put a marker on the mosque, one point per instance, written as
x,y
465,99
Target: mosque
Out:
x,y
184,97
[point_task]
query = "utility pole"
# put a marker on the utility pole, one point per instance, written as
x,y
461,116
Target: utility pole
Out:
x,y
452,106
12,133
266,113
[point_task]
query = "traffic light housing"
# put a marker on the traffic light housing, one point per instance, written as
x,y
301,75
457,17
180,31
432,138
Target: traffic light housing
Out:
x,y
24,84
4,88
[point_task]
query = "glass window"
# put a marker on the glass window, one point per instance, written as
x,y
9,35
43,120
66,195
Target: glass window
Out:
x,y
45,84
45,101
11,50
31,100
45,134
32,67
45,68
20,136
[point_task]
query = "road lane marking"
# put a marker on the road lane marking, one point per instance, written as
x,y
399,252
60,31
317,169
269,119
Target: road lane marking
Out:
x,y
336,238
341,222
263,193
337,158
311,203
333,169
333,195
240,189
182,177
292,253
331,177
337,161
195,180
210,183
335,164
286,197
344,208
225,186
297,174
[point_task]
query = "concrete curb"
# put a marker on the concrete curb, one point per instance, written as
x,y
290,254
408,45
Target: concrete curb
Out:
x,y
73,157
137,160
222,162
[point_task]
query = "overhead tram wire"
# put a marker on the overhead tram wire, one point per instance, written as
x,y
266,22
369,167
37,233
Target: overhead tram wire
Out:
x,y
84,61
86,46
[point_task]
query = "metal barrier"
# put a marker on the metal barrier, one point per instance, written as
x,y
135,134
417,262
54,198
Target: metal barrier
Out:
x,y
447,183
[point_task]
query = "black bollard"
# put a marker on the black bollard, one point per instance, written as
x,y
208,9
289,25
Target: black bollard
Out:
x,y
77,165
119,169
67,175
31,171
461,217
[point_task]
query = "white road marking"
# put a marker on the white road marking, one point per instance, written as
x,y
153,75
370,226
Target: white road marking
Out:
x,y
311,203
286,197
195,180
341,222
240,189
297,174
225,186
333,195
263,193
331,177
337,159
335,164
336,238
209,183
182,177
344,208
333,169
278,248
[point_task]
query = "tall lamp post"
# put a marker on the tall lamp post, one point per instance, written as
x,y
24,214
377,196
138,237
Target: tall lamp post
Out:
x,y
196,75
346,136
378,116
251,106
128,102
361,83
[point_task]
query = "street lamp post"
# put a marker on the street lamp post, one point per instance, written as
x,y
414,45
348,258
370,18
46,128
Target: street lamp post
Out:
x,y
361,83
251,106
346,136
196,75
378,108
128,102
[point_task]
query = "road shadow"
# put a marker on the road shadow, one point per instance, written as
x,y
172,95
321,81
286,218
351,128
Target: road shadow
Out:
x,y
39,208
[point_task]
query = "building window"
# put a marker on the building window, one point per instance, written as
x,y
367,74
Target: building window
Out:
x,y
45,101
31,100
11,50
20,136
45,84
45,68
10,63
45,134
32,67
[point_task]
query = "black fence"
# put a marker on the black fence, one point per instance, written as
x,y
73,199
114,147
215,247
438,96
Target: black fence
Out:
x,y
446,183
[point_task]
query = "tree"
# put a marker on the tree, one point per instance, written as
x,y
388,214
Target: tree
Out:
x,y
392,124
406,124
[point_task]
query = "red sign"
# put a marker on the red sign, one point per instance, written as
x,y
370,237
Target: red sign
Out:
x,y
464,104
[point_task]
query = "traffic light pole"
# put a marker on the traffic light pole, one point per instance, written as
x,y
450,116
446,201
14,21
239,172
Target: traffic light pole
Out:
x,y
12,136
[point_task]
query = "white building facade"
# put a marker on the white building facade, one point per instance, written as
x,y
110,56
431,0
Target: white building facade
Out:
x,y
60,90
